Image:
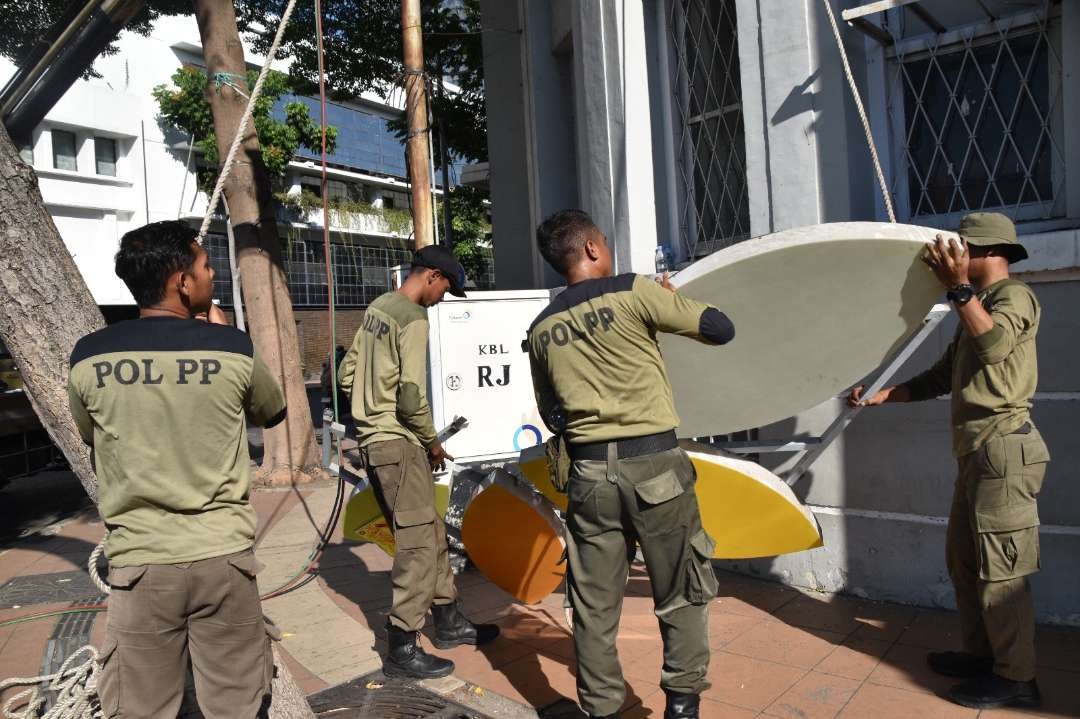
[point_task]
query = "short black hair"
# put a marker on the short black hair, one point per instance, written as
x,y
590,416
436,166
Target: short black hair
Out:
x,y
561,237
150,254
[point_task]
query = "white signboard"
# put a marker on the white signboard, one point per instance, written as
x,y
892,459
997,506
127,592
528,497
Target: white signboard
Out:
x,y
479,371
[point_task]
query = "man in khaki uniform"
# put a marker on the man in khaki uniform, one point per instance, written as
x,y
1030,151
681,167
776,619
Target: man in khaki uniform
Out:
x,y
385,371
600,380
992,543
161,400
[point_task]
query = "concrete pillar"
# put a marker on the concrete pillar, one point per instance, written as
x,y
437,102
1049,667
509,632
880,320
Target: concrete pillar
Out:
x,y
806,157
531,144
614,129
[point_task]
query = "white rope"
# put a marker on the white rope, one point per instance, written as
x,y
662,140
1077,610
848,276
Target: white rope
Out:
x,y
862,114
226,168
75,684
91,567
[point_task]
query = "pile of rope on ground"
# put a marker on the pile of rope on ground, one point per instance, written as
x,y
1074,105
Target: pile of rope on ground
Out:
x,y
75,686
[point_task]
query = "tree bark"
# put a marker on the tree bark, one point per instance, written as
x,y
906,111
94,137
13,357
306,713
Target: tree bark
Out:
x,y
290,451
45,307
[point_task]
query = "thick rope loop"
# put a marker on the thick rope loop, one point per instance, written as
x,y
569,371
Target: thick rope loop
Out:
x,y
92,565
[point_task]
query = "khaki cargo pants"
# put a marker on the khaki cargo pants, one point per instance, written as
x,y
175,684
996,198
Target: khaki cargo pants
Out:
x,y
992,545
160,614
649,500
401,477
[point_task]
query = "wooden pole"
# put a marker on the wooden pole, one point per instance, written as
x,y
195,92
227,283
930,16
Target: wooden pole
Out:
x,y
416,113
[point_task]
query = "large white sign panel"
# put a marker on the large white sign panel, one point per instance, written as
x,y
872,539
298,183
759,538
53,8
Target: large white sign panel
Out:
x,y
479,371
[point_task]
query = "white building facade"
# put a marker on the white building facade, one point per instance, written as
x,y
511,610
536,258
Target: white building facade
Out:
x,y
693,124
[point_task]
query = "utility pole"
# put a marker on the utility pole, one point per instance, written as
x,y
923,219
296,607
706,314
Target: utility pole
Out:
x,y
416,113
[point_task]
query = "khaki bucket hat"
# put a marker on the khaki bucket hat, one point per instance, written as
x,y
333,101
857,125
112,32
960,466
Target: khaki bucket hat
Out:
x,y
992,229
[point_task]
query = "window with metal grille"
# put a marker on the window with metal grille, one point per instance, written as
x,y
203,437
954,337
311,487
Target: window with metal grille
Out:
x,y
710,142
361,273
977,120
217,249
305,269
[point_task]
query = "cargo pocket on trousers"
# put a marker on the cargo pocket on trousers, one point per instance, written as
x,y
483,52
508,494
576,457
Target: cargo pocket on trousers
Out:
x,y
414,528
125,577
108,682
662,488
1007,541
1035,456
243,602
701,582
273,634
381,454
582,510
660,514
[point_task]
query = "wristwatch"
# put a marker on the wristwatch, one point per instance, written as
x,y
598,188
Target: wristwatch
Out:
x,y
960,295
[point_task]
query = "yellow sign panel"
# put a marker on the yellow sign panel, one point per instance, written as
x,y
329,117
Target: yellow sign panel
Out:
x,y
747,509
364,521
514,538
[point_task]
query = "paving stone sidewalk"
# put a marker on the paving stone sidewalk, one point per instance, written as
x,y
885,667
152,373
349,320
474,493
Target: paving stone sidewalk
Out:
x,y
776,652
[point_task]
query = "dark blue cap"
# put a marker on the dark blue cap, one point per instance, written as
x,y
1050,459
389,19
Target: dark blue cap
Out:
x,y
437,257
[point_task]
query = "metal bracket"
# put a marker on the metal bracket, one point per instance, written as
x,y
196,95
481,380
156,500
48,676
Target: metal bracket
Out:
x,y
332,434
814,447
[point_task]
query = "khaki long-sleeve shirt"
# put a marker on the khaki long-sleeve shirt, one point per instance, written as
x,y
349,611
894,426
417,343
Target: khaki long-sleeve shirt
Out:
x,y
385,373
595,359
992,377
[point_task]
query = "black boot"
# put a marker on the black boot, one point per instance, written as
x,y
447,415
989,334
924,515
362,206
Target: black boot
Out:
x,y
990,691
407,658
681,706
959,664
453,629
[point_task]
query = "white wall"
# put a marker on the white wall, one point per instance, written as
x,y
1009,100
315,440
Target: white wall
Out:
x,y
881,492
93,211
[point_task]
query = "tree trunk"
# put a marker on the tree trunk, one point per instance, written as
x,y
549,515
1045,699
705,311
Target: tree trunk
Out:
x,y
45,307
290,451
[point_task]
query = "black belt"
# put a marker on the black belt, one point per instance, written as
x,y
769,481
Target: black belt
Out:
x,y
626,448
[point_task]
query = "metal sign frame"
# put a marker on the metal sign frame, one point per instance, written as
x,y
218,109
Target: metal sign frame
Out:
x,y
813,447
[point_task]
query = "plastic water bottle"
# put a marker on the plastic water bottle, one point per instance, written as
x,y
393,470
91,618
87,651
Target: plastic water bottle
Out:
x,y
661,260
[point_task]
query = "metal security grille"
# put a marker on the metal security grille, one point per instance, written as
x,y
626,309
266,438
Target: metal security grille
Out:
x,y
977,119
710,142
217,248
305,269
361,272
25,453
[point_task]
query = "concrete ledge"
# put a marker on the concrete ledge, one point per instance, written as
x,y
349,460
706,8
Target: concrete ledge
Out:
x,y
901,558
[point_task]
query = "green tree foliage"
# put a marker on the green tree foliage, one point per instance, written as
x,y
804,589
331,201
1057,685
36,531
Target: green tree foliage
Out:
x,y
363,48
472,229
184,107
